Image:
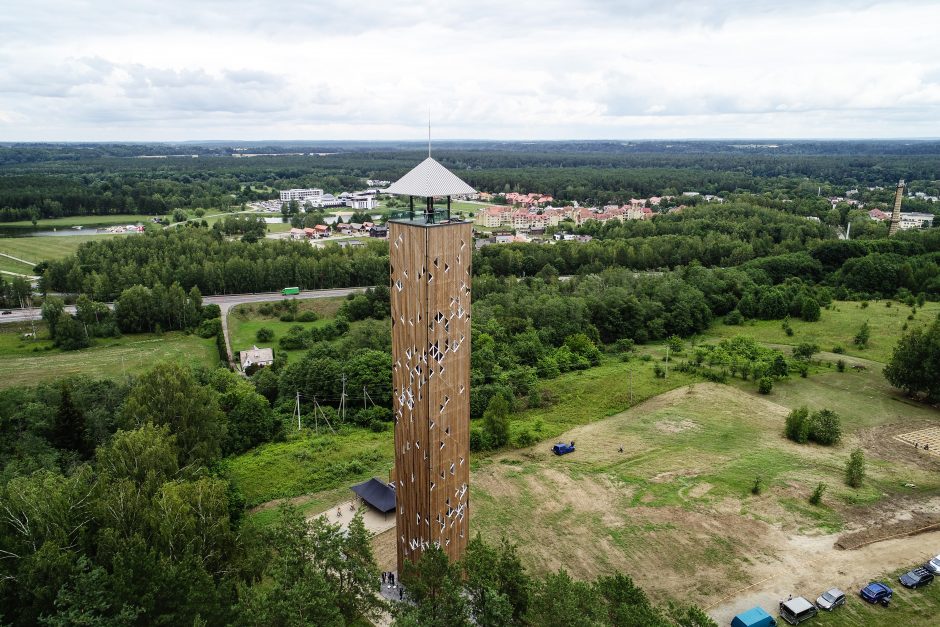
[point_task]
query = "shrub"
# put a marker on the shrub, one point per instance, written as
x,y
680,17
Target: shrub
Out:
x,y
287,317
796,427
765,385
307,316
265,309
623,345
658,371
789,331
838,349
758,486
734,318
675,343
855,469
211,311
816,497
840,365
646,357
803,369
525,439
810,310
264,334
861,338
209,328
479,441
887,303
825,427
864,304
496,421
805,351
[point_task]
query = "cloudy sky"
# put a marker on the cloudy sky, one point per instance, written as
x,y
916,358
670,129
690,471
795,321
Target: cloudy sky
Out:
x,y
487,69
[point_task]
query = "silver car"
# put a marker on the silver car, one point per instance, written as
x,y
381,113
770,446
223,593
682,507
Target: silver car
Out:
x,y
830,599
933,565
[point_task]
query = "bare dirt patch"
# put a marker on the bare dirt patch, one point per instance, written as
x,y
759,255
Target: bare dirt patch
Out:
x,y
699,490
677,426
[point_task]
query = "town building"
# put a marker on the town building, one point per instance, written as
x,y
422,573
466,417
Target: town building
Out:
x,y
313,195
916,220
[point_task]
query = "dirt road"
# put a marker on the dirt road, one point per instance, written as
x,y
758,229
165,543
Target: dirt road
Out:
x,y
811,565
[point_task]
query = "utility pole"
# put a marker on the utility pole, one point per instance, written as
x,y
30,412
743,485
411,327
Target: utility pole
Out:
x,y
342,401
297,409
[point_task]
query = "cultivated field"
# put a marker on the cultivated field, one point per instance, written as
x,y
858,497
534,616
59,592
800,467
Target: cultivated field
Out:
x,y
27,362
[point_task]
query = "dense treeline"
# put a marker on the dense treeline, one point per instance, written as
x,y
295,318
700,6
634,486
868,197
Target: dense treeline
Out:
x,y
50,181
204,259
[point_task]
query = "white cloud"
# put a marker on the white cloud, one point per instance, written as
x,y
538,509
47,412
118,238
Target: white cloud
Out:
x,y
294,69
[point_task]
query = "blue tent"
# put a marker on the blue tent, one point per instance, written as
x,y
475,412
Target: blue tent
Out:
x,y
754,617
377,494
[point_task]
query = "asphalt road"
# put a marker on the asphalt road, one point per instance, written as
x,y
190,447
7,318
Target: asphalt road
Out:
x,y
225,302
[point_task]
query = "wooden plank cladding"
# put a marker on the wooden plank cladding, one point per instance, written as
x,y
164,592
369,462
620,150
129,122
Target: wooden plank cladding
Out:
x,y
430,298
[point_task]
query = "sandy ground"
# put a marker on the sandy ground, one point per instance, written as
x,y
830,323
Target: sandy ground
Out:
x,y
809,566
374,521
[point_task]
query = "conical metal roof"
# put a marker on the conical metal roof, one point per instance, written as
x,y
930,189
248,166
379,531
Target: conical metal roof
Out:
x,y
429,178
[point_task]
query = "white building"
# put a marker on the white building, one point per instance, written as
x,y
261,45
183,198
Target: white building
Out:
x,y
361,202
916,220
259,357
313,195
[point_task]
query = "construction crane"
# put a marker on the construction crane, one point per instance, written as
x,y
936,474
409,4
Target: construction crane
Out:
x,y
896,214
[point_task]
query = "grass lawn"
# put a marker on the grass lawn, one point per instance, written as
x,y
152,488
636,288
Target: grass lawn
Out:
x,y
838,326
245,320
908,607
46,247
11,265
70,221
27,362
307,462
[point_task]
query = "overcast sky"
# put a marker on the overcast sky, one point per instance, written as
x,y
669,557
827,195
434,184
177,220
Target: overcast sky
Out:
x,y
172,70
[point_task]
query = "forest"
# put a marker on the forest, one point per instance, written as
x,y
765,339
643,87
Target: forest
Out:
x,y
45,181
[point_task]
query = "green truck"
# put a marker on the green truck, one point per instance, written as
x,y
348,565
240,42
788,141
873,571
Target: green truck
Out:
x,y
290,291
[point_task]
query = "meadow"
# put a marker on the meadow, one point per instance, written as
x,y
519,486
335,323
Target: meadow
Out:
x,y
838,325
47,224
27,362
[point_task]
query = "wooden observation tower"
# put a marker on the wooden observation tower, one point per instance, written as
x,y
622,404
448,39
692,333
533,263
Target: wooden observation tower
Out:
x,y
430,255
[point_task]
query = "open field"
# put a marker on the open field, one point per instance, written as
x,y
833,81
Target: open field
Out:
x,y
245,320
11,265
44,247
838,326
674,510
70,221
27,362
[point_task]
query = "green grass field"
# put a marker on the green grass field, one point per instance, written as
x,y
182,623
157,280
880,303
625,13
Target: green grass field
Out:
x,y
69,222
838,326
45,247
11,265
27,362
908,607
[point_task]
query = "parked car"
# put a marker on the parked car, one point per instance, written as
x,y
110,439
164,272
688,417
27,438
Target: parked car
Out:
x,y
830,599
877,592
7,312
796,610
933,565
754,617
916,578
563,449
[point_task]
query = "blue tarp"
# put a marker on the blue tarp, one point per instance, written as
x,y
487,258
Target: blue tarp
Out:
x,y
377,494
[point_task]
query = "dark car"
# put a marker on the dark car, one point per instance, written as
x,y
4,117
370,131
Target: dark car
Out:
x,y
916,578
7,312
876,593
933,565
